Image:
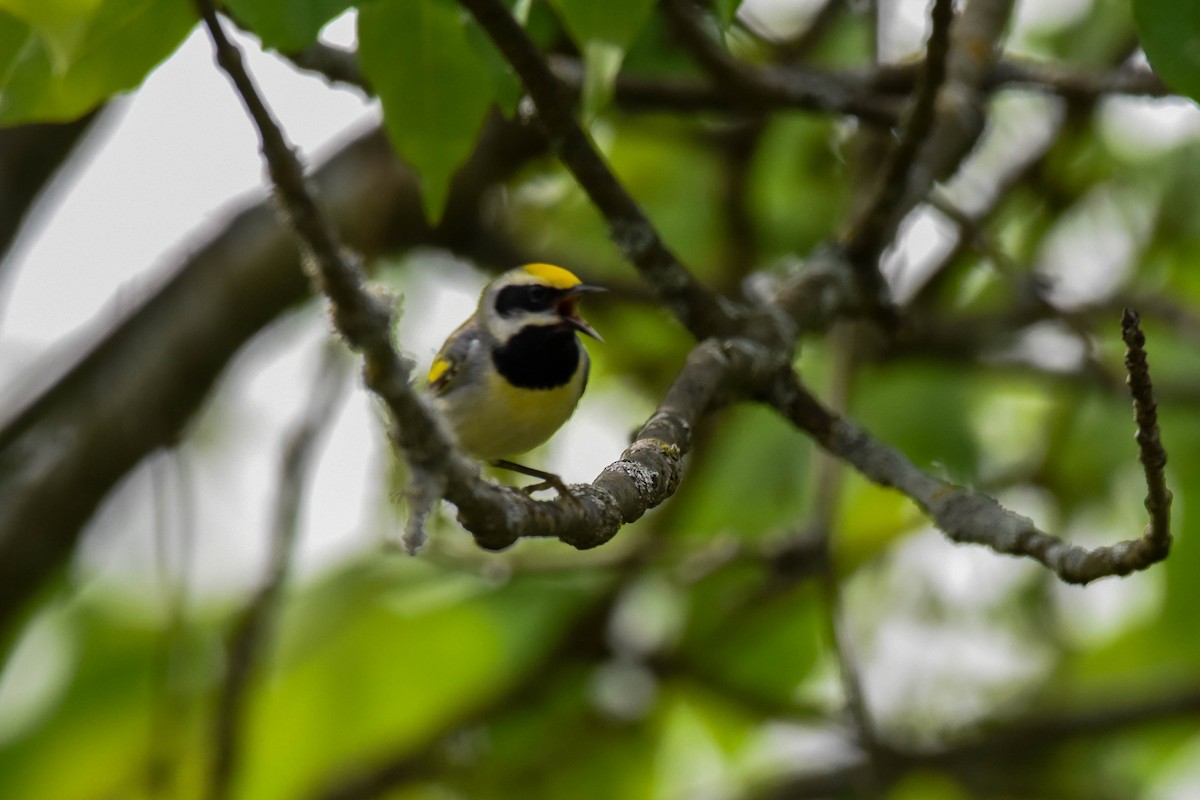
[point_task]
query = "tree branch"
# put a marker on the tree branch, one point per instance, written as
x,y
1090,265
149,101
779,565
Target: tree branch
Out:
x,y
871,231
1150,450
1015,743
761,89
141,383
868,95
647,473
701,311
966,516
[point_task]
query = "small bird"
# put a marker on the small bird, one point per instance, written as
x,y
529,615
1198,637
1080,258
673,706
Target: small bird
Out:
x,y
512,374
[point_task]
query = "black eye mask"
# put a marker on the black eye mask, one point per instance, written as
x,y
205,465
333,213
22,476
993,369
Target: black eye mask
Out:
x,y
527,297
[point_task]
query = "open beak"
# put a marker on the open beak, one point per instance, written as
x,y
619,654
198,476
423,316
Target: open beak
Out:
x,y
566,309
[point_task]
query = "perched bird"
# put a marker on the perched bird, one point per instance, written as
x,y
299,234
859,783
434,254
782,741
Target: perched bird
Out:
x,y
511,375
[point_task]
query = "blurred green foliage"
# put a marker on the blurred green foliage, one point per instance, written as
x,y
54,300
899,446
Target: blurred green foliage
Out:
x,y
61,58
687,659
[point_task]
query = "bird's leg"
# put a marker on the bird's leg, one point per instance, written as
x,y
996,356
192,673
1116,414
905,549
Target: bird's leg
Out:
x,y
549,479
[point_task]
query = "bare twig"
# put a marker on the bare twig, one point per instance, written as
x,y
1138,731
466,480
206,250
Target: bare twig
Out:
x,y
336,64
702,312
876,225
252,631
979,758
946,121
868,95
1150,449
1074,83
760,89
364,318
966,516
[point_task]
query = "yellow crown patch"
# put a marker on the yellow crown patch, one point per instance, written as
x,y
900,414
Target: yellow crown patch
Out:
x,y
556,277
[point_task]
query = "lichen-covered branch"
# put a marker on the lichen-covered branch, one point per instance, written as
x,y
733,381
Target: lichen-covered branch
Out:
x,y
967,516
646,474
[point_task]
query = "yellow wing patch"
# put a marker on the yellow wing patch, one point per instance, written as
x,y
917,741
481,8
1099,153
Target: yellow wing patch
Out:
x,y
441,369
557,277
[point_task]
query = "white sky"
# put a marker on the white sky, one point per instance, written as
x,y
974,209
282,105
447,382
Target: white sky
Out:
x,y
174,161
180,153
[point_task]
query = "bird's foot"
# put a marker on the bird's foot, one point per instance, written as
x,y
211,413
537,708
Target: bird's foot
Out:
x,y
548,480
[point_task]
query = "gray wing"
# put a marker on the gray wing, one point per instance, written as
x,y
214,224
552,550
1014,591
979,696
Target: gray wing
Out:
x,y
457,358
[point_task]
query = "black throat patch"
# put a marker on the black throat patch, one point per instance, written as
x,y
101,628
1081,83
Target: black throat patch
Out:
x,y
539,357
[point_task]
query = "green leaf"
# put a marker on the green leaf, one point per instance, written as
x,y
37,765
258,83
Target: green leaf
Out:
x,y
62,72
603,31
616,22
434,86
287,25
506,90
400,648
59,24
726,11
754,457
601,63
1170,33
15,36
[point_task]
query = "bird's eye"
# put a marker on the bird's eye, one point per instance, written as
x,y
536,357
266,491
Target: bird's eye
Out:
x,y
513,300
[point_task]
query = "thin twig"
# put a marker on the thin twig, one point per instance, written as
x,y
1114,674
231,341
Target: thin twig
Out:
x,y
966,516
253,630
1074,83
701,311
1011,745
761,89
869,95
1150,449
874,228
